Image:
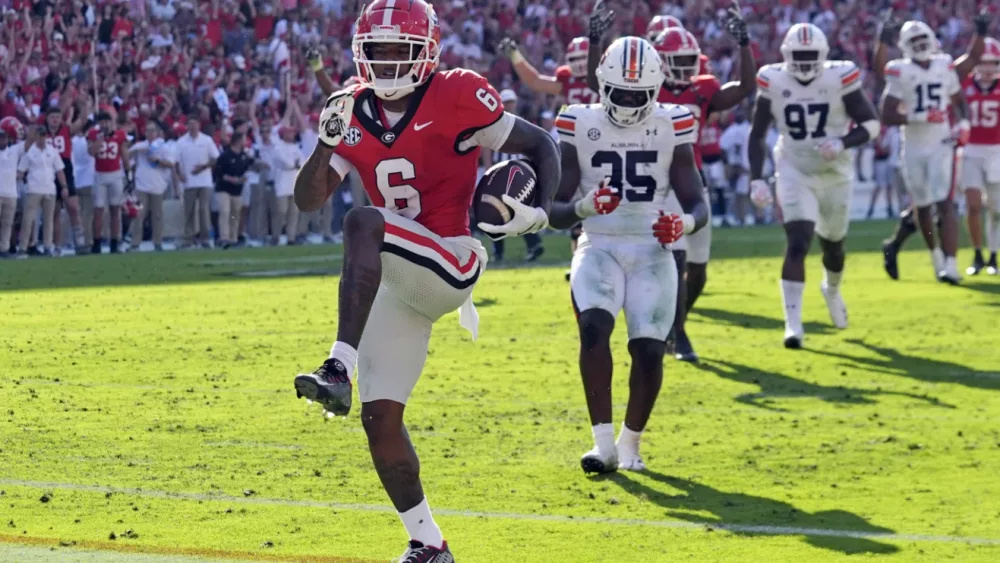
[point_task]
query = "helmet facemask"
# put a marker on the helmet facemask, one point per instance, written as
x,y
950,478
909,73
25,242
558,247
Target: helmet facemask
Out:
x,y
921,47
577,64
627,107
805,64
393,65
680,68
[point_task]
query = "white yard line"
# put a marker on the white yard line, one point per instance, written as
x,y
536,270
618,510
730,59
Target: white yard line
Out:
x,y
559,518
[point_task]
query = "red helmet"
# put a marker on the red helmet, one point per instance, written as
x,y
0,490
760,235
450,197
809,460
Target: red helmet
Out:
x,y
132,207
679,52
13,127
660,23
576,56
388,22
989,64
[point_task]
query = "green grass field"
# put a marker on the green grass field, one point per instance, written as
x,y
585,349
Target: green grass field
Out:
x,y
148,415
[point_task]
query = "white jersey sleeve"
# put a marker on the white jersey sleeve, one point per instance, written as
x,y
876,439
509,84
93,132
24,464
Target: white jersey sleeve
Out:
x,y
764,77
636,159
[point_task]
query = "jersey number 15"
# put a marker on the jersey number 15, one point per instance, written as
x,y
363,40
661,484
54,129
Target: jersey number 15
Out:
x,y
641,187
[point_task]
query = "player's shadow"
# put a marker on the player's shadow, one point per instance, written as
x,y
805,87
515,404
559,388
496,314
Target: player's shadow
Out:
x,y
749,320
749,515
777,386
984,287
893,362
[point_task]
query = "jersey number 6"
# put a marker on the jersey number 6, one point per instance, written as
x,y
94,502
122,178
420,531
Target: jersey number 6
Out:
x,y
488,99
641,187
402,199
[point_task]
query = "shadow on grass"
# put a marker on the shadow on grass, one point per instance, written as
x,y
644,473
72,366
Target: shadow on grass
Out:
x,y
749,320
777,386
749,515
893,362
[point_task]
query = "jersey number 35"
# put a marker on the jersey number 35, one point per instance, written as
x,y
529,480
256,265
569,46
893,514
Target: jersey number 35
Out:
x,y
641,187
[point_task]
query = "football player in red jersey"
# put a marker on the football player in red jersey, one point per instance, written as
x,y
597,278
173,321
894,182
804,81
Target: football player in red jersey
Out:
x,y
570,80
60,137
980,164
109,147
413,136
659,24
703,95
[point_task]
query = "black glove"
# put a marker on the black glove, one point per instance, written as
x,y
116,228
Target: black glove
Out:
x,y
314,59
737,26
601,19
888,28
508,47
982,22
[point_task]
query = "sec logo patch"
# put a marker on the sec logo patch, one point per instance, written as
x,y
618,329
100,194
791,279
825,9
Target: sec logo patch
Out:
x,y
594,134
352,137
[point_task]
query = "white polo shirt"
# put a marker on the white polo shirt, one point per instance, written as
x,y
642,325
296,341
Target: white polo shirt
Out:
x,y
194,152
83,163
150,177
10,158
41,165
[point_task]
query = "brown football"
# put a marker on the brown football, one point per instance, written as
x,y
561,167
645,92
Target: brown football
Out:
x,y
515,178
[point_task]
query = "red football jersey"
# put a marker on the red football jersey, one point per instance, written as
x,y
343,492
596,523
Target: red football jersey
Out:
x,y
708,141
575,88
697,97
984,111
60,140
109,155
422,168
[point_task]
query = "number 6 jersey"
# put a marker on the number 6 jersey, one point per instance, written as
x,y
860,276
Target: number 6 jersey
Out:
x,y
422,164
637,159
808,114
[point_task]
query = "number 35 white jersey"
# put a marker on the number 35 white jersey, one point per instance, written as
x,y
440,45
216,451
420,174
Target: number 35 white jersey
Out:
x,y
920,90
637,159
808,114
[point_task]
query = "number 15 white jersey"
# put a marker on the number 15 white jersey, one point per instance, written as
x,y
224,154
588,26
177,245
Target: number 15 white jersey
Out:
x,y
637,159
920,90
808,114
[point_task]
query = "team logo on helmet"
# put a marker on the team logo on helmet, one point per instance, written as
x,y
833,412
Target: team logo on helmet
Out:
x,y
353,136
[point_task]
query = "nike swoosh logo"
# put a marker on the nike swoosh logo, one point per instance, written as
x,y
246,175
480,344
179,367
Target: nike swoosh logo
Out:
x,y
514,171
419,126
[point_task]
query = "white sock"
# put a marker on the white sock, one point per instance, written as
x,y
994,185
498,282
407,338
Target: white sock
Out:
x,y
833,279
346,354
604,437
791,296
421,526
937,256
993,231
629,438
951,264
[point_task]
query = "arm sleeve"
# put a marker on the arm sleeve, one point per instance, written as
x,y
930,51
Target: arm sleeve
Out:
x,y
494,136
893,80
566,126
850,78
684,124
340,165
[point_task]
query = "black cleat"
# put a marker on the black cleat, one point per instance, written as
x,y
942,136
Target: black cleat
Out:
x,y
977,265
568,273
793,341
683,349
329,385
991,266
96,247
113,248
420,553
890,256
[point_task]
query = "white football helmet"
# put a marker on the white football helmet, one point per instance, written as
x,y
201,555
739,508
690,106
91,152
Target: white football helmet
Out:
x,y
804,49
917,41
630,76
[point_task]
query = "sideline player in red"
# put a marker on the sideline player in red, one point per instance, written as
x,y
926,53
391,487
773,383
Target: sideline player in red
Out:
x,y
413,135
109,147
659,24
980,164
570,80
60,137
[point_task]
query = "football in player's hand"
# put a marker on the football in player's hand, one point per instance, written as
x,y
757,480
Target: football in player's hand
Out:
x,y
514,178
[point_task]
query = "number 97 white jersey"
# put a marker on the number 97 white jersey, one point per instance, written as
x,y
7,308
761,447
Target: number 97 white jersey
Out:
x,y
637,159
808,114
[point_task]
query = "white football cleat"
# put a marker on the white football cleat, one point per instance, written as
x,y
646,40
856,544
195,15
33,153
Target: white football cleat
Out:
x,y
794,337
949,273
594,462
629,460
835,304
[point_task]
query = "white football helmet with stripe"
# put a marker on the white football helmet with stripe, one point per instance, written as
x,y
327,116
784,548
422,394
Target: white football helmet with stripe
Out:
x,y
630,75
804,49
917,41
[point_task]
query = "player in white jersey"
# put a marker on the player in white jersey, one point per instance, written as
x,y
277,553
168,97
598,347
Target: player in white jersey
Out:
x,y
919,91
813,101
625,155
